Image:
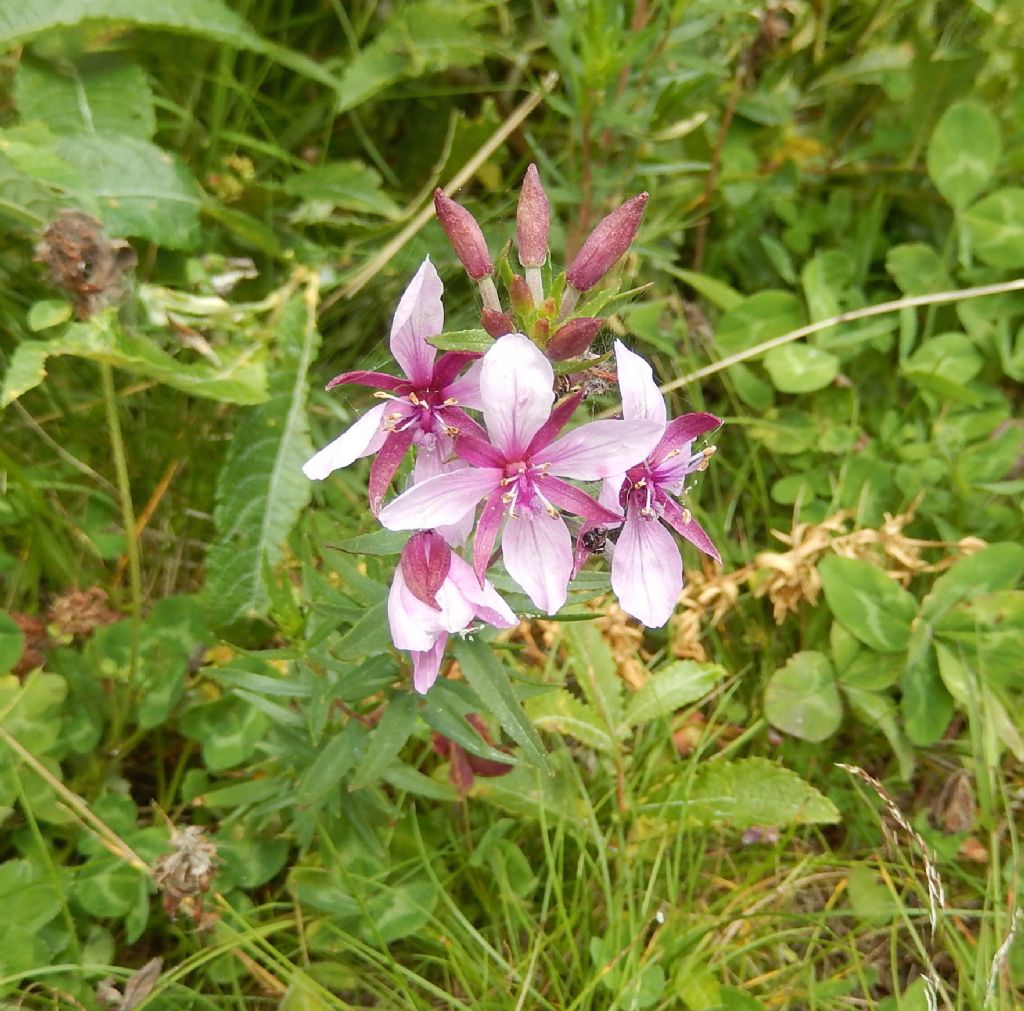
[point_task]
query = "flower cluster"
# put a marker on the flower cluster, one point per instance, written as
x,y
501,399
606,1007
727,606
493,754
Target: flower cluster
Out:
x,y
513,482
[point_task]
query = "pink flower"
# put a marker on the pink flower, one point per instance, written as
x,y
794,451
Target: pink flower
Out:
x,y
519,473
647,569
434,593
424,409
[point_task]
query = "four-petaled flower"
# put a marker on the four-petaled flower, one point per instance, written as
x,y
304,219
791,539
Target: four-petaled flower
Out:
x,y
424,409
647,569
520,470
434,593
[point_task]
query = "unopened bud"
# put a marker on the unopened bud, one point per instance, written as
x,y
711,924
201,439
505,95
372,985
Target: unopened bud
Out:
x,y
573,338
519,295
541,329
425,562
533,221
465,236
606,244
497,324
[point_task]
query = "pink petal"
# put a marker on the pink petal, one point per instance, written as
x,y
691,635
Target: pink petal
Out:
x,y
647,571
419,315
537,551
688,528
390,455
516,388
601,448
681,431
443,499
641,397
457,611
487,532
488,603
573,500
425,665
414,625
430,462
466,388
559,416
377,380
359,440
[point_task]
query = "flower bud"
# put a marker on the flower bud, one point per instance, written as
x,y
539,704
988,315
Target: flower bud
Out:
x,y
465,236
425,562
533,221
519,295
573,338
606,244
497,324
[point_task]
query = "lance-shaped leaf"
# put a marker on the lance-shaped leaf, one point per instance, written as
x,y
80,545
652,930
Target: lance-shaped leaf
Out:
x,y
260,492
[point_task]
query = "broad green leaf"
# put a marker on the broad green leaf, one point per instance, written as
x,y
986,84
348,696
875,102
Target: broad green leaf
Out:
x,y
800,368
380,542
48,313
918,269
596,673
996,567
108,887
868,603
949,356
925,704
238,380
12,642
348,185
674,686
802,699
879,710
963,152
561,713
750,791
462,340
261,490
759,318
29,896
400,910
823,278
100,93
873,904
23,20
489,678
996,227
229,730
386,740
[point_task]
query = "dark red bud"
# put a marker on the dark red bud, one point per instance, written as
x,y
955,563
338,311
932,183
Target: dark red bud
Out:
x,y
519,294
465,236
497,324
573,338
606,244
425,562
533,221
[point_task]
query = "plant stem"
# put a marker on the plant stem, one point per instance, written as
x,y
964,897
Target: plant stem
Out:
x,y
124,494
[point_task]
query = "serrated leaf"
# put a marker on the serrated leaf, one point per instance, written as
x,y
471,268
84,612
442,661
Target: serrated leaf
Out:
x,y
239,380
868,603
562,713
261,489
802,699
489,678
996,227
100,93
679,684
964,151
386,740
751,791
800,368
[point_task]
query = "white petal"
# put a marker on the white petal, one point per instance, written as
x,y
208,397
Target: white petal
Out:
x,y
600,449
517,389
647,570
446,498
414,625
359,440
419,315
640,395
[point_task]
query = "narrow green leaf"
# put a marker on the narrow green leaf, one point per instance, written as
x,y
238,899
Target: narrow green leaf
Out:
x,y
369,634
380,542
489,678
868,603
386,740
261,490
337,757
596,673
964,151
462,340
679,684
445,711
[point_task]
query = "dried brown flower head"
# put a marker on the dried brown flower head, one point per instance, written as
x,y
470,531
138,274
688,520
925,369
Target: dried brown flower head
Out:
x,y
84,262
184,875
79,613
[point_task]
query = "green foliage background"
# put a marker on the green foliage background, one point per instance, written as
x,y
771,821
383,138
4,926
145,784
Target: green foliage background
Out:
x,y
687,844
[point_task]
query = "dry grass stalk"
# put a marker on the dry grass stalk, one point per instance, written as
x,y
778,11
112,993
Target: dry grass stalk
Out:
x,y
790,578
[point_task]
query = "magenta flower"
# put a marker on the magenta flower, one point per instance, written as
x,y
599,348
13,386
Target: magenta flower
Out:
x,y
434,593
519,473
423,409
647,569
